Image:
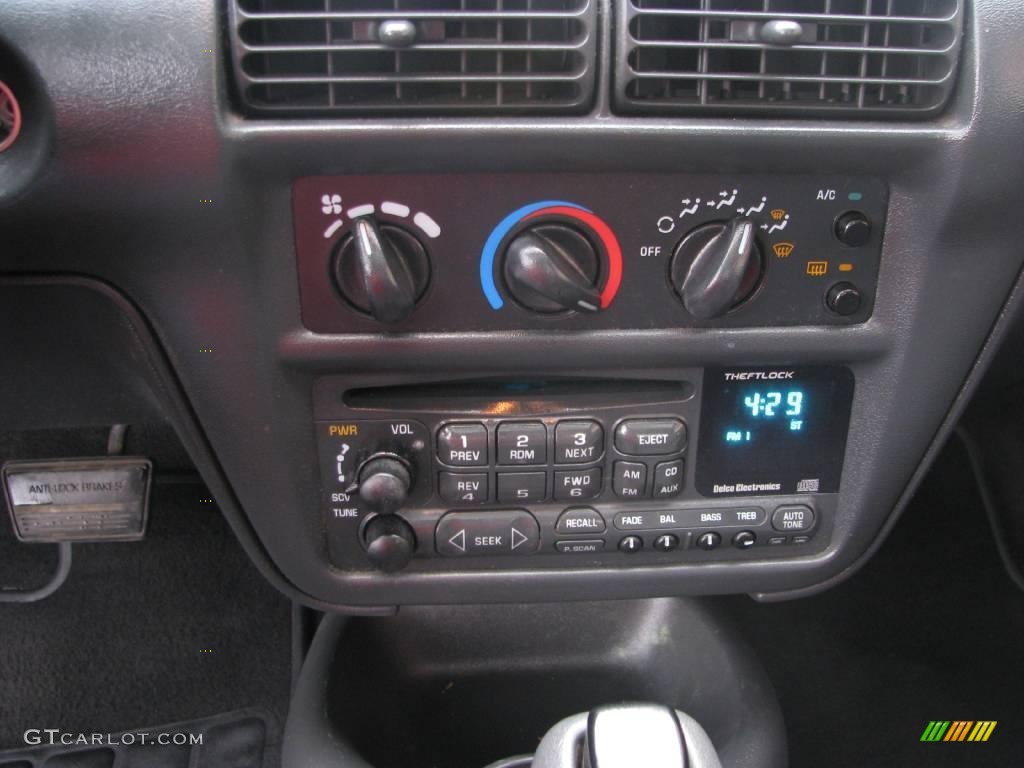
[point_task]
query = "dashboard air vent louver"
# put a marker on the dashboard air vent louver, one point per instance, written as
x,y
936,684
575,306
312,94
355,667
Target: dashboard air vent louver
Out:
x,y
845,58
422,56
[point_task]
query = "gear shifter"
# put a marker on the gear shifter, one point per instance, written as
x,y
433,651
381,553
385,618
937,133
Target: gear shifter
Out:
x,y
627,736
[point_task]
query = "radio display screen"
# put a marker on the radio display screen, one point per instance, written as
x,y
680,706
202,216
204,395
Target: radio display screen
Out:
x,y
773,430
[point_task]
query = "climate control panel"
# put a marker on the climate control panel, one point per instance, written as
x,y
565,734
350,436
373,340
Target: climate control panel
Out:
x,y
726,464
575,251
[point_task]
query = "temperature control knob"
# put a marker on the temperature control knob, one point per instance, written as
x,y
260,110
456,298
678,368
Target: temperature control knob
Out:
x,y
383,482
717,267
390,542
553,268
381,270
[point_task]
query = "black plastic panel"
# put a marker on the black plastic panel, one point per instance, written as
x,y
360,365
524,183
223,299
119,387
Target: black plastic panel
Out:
x,y
466,221
155,186
480,495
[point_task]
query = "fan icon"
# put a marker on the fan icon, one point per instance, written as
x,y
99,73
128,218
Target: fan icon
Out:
x,y
331,204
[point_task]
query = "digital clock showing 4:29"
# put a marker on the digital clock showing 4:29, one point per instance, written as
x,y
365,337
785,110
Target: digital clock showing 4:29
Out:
x,y
773,430
786,405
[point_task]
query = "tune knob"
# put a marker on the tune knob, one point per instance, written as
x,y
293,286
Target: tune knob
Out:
x,y
383,483
552,268
390,542
381,270
717,267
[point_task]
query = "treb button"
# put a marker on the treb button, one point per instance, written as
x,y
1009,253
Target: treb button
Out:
x,y
650,437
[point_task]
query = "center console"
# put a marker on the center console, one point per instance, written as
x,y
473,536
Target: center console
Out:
x,y
565,471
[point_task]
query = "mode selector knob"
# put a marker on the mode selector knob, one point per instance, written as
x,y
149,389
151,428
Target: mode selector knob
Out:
x,y
383,483
553,268
717,267
381,270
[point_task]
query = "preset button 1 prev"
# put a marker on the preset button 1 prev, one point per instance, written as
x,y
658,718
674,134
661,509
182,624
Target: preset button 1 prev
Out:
x,y
501,532
462,445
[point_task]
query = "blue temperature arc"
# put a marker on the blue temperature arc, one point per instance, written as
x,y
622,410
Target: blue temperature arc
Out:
x,y
498,234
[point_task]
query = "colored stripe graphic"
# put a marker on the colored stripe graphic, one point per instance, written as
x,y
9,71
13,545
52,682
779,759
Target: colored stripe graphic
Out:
x,y
982,730
958,730
935,731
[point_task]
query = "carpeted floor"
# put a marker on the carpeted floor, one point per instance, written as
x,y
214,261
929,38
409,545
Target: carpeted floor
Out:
x,y
177,627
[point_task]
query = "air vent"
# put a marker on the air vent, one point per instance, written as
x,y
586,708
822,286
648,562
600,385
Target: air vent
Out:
x,y
845,58
422,56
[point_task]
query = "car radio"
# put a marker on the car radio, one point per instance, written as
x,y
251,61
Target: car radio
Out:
x,y
721,464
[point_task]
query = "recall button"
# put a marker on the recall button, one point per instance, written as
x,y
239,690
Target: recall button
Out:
x,y
580,520
501,532
794,518
650,437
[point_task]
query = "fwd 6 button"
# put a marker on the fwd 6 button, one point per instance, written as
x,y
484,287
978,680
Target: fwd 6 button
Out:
x,y
650,437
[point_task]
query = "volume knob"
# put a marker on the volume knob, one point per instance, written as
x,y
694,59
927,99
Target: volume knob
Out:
x,y
384,482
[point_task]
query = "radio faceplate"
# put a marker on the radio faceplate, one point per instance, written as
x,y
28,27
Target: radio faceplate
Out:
x,y
564,473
